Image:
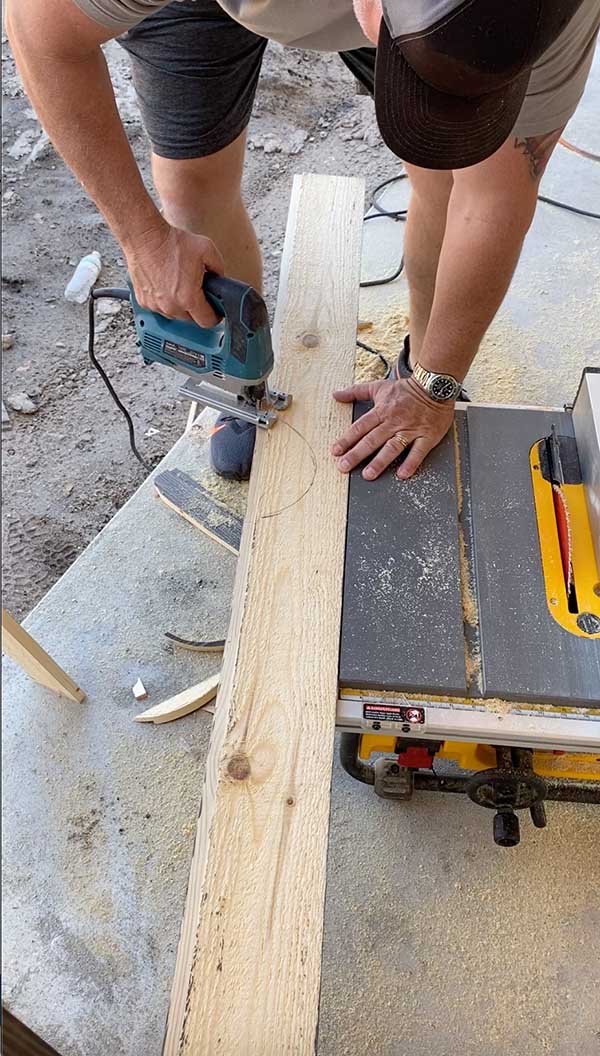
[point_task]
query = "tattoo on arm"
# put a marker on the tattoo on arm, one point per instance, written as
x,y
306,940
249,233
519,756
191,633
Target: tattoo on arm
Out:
x,y
537,149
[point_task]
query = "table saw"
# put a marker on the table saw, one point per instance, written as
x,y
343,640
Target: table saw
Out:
x,y
470,646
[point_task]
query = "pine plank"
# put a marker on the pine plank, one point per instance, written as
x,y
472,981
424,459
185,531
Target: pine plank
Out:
x,y
25,651
248,966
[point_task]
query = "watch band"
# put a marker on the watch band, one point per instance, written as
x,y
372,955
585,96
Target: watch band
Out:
x,y
440,387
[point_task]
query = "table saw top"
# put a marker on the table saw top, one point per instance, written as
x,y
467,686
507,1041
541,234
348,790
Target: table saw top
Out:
x,y
443,587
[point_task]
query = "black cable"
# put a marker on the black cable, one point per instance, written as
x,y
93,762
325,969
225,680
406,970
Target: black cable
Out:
x,y
388,278
122,295
374,352
392,214
569,208
401,214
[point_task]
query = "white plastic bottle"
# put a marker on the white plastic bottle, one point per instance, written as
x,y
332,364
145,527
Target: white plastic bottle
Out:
x,y
83,278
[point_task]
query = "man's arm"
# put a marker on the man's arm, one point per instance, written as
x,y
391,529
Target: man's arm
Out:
x,y
58,54
489,213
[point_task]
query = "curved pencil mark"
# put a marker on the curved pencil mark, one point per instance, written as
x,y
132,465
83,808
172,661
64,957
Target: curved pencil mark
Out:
x,y
276,513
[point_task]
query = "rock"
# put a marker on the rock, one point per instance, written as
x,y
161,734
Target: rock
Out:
x,y
8,341
371,137
288,143
20,401
108,306
294,142
23,143
68,489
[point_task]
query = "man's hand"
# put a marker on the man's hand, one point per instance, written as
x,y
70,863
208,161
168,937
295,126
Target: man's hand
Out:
x,y
402,412
167,267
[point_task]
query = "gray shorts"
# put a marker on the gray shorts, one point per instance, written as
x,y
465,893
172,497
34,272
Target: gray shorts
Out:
x,y
195,72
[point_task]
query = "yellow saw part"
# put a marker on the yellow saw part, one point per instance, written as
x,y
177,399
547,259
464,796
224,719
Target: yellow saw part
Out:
x,y
574,766
565,505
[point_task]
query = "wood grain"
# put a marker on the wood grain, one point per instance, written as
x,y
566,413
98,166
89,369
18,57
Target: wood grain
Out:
x,y
25,651
248,966
183,703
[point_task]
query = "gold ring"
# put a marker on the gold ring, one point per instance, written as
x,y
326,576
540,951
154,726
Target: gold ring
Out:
x,y
402,440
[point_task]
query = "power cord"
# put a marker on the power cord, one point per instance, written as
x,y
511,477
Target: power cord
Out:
x,y
121,295
392,214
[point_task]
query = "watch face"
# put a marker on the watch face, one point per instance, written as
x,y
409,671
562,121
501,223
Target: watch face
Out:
x,y
442,387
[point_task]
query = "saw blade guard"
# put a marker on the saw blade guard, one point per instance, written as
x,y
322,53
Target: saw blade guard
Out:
x,y
571,575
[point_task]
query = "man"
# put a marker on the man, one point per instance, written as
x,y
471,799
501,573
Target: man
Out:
x,y
471,94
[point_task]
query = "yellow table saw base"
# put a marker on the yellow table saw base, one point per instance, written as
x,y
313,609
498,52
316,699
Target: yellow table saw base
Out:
x,y
576,766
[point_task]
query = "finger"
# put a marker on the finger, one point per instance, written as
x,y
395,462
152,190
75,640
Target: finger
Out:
x,y
357,430
213,259
415,456
388,453
202,313
365,447
360,391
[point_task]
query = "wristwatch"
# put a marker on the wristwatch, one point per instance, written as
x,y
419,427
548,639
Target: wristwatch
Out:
x,y
441,387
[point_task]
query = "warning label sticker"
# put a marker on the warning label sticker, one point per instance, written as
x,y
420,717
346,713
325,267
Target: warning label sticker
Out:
x,y
393,713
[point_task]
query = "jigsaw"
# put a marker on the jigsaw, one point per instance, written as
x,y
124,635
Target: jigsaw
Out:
x,y
227,365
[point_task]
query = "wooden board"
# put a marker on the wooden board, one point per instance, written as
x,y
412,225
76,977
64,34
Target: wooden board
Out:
x,y
188,498
183,703
248,965
34,660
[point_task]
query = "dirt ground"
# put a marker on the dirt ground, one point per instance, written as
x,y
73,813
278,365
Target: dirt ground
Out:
x,y
67,467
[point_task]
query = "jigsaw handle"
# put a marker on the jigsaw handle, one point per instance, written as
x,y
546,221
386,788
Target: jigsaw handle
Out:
x,y
242,308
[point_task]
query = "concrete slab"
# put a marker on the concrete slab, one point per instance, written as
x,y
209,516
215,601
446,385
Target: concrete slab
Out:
x,y
437,943
99,811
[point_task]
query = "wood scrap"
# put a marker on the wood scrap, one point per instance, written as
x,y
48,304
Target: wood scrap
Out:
x,y
35,661
183,703
196,647
249,956
191,500
139,690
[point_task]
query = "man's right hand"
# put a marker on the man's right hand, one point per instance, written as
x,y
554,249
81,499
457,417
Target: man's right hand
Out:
x,y
167,267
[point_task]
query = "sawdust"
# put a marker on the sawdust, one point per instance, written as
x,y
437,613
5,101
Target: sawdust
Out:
x,y
368,367
497,705
216,518
469,605
232,493
386,336
473,666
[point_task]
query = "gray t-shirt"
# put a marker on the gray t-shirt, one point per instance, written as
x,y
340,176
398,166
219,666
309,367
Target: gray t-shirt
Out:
x,y
556,84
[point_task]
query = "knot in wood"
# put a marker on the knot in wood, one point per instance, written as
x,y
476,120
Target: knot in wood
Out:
x,y
310,340
238,767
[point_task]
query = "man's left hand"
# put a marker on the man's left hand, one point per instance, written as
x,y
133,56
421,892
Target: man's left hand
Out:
x,y
402,415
